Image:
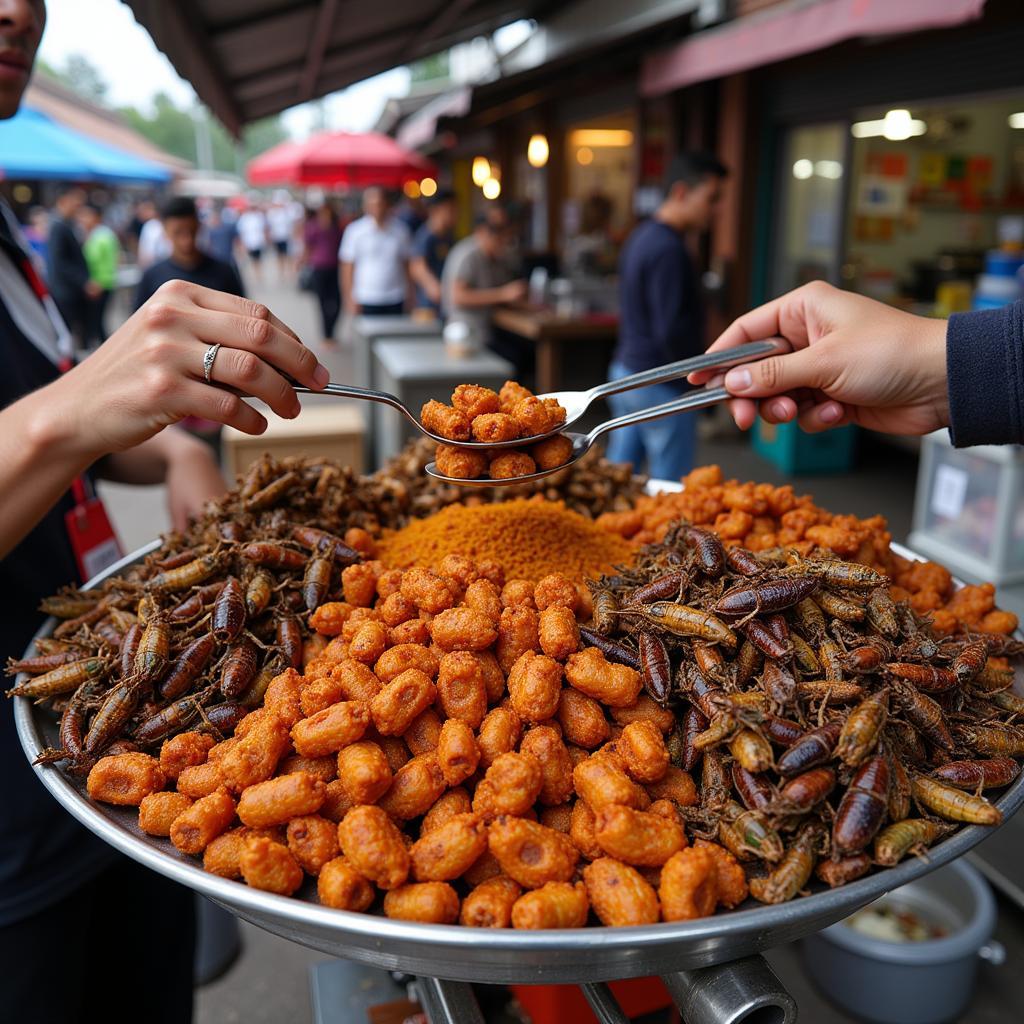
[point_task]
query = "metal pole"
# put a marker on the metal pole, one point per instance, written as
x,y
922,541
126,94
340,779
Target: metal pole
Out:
x,y
603,1003
448,1002
744,990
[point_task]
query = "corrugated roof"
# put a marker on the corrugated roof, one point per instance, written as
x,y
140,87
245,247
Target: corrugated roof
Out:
x,y
251,58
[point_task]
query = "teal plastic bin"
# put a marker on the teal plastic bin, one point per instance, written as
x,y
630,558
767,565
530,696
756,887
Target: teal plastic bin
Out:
x,y
796,452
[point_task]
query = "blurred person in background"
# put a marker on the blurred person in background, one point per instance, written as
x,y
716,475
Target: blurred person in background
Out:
x,y
374,256
143,211
280,232
220,235
37,231
102,255
153,243
477,277
322,236
66,268
430,248
187,262
591,252
412,213
252,233
661,315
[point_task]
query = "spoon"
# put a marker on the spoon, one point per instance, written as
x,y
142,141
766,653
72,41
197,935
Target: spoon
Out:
x,y
575,403
582,443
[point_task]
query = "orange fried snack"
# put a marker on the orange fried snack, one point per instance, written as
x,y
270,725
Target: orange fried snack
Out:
x,y
460,463
510,465
444,421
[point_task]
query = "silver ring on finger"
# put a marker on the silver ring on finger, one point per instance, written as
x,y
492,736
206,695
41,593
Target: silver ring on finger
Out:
x,y
208,357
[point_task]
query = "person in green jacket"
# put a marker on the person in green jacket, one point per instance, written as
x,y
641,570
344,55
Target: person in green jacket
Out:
x,y
102,255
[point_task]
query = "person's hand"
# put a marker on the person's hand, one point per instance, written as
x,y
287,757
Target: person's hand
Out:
x,y
149,373
93,290
514,291
193,478
854,360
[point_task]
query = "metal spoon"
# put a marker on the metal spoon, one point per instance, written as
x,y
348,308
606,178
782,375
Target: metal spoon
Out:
x,y
582,443
575,403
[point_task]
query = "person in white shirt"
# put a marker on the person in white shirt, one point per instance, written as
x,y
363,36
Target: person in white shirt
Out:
x,y
374,256
153,243
252,233
281,230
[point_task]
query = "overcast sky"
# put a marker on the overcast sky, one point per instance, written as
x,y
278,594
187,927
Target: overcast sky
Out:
x,y
106,32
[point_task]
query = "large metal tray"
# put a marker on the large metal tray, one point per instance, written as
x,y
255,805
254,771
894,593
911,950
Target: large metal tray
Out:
x,y
469,954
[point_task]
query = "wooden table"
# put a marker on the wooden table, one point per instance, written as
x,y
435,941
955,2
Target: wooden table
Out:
x,y
550,333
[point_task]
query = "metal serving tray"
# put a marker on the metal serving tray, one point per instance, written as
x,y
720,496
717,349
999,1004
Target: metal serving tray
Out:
x,y
579,956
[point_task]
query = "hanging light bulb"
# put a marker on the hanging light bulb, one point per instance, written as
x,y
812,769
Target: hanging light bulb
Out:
x,y
428,187
491,188
481,170
537,150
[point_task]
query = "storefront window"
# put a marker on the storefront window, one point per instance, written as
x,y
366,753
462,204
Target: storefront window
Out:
x,y
600,159
811,219
935,221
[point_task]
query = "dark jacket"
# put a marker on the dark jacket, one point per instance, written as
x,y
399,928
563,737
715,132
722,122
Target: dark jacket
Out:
x,y
66,270
661,317
985,365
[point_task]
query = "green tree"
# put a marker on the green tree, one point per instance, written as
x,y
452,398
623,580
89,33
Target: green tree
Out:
x,y
85,78
429,69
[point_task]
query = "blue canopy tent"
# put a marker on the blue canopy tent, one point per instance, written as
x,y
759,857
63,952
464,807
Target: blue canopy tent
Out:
x,y
35,147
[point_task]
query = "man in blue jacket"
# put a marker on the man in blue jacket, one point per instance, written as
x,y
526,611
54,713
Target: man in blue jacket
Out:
x,y
661,315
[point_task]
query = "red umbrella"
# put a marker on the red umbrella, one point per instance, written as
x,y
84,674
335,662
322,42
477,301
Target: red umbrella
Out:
x,y
340,158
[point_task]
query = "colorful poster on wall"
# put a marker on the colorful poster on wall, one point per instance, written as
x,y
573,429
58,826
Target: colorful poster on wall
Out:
x,y
931,170
880,196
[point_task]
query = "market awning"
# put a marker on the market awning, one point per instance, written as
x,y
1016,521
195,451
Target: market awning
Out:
x,y
251,58
792,29
355,160
34,146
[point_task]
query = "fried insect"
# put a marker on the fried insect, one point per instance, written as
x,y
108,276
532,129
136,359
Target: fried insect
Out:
x,y
896,841
953,804
228,616
764,640
794,870
605,610
656,669
288,632
61,680
193,605
862,728
670,585
273,556
316,582
172,718
981,774
188,667
773,595
327,544
862,808
154,647
925,714
239,668
184,576
681,620
710,555
835,873
118,705
929,678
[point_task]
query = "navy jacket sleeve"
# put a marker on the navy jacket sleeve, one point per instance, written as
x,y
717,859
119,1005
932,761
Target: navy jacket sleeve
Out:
x,y
985,367
668,287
